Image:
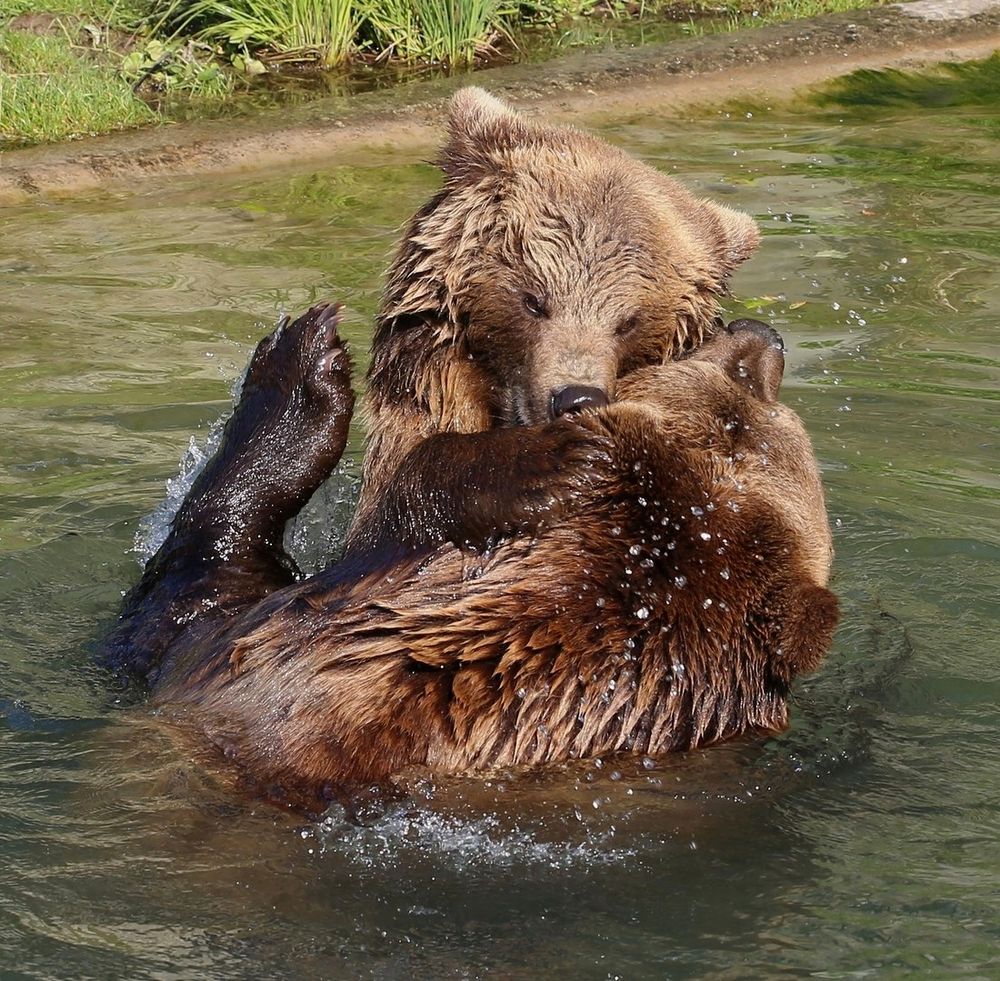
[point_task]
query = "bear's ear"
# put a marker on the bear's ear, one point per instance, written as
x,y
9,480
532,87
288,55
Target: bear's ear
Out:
x,y
479,125
808,616
726,237
751,353
730,236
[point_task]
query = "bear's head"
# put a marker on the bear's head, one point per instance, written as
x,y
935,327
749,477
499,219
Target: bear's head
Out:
x,y
718,414
557,263
722,512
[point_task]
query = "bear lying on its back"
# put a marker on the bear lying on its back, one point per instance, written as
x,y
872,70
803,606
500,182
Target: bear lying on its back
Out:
x,y
547,267
669,608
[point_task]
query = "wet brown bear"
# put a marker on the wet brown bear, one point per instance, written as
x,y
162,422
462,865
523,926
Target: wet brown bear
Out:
x,y
670,607
548,266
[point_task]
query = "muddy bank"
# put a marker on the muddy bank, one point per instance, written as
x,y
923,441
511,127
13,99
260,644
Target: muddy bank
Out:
x,y
774,61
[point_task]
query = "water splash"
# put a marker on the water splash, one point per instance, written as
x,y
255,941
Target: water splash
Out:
x,y
461,843
154,527
313,538
317,535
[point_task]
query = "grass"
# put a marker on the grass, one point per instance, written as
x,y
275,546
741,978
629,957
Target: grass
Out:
x,y
100,11
82,67
740,14
47,93
449,32
304,30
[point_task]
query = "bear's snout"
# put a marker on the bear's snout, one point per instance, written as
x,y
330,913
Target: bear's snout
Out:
x,y
576,398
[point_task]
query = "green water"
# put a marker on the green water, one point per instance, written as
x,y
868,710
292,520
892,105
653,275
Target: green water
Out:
x,y
864,842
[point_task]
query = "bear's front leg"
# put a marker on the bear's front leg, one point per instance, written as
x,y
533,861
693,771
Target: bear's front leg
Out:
x,y
474,488
224,551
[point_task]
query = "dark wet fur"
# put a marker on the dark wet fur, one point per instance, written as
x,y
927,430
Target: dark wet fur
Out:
x,y
592,637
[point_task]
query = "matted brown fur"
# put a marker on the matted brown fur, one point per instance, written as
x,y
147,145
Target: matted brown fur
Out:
x,y
548,258
671,609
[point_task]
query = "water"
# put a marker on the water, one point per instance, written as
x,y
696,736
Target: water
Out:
x,y
864,842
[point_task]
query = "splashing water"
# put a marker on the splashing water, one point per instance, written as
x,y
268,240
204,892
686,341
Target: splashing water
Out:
x,y
313,538
155,526
461,843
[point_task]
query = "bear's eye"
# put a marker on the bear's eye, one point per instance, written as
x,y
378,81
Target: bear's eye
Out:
x,y
535,305
627,325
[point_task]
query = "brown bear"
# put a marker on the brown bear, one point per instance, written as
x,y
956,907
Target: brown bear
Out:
x,y
547,267
669,607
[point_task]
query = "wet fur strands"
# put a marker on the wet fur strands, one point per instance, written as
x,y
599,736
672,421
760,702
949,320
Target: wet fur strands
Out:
x,y
549,260
670,607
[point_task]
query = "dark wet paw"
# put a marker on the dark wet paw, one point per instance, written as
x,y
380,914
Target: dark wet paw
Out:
x,y
570,457
304,358
291,423
764,331
555,466
286,434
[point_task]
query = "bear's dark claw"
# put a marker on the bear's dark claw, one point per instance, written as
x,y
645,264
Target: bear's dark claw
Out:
x,y
335,361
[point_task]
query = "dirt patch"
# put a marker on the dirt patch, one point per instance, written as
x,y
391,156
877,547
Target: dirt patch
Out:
x,y
39,22
82,32
773,61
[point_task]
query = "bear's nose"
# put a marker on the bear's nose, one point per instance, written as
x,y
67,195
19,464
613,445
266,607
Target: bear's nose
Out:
x,y
576,398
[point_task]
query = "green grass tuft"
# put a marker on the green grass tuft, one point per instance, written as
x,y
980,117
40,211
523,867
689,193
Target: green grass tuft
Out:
x,y
451,32
48,93
320,30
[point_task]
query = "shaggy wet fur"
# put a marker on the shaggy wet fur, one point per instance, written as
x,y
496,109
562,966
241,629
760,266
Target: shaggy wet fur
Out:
x,y
547,260
669,607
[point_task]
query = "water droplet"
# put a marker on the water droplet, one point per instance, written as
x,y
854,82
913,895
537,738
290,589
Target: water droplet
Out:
x,y
642,613
724,573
